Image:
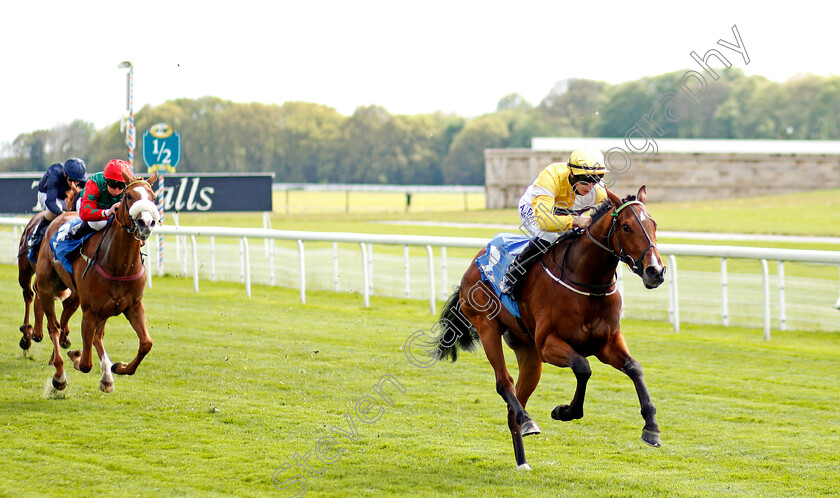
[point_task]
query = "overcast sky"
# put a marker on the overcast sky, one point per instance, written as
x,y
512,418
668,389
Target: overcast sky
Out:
x,y
59,59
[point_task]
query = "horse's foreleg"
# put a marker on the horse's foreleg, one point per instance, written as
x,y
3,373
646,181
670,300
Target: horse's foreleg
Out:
x,y
618,356
557,352
107,382
650,433
136,316
83,360
70,305
38,330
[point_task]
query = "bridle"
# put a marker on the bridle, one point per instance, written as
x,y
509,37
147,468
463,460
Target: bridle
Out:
x,y
618,252
131,227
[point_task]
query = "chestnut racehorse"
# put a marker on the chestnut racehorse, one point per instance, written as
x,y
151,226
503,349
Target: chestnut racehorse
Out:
x,y
26,269
113,285
569,310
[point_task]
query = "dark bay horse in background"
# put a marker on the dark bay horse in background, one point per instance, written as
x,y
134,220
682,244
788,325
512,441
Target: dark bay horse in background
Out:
x,y
569,310
26,269
114,285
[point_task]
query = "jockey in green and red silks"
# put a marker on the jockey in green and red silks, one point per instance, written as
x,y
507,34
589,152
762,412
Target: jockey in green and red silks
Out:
x,y
101,198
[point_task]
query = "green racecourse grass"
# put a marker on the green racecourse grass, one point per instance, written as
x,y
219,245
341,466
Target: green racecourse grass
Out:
x,y
235,387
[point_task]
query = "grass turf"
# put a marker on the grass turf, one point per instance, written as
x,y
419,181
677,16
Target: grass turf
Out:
x,y
236,388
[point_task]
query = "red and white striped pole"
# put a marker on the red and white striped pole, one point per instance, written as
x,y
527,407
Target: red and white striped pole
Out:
x,y
130,135
131,138
161,197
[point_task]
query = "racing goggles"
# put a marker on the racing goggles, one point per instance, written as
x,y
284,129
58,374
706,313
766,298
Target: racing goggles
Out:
x,y
115,184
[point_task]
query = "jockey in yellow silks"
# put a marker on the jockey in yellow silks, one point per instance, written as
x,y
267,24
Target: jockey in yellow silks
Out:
x,y
555,203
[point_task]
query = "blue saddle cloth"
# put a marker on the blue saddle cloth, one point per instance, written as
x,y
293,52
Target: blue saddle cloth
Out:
x,y
494,263
62,246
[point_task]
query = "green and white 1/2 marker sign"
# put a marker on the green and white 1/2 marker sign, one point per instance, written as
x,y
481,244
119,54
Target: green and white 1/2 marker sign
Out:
x,y
161,148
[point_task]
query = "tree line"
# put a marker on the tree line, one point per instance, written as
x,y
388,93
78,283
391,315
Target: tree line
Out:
x,y
309,142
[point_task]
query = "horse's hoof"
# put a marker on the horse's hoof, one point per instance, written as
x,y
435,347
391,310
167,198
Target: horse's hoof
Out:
x,y
25,343
65,343
524,467
38,337
564,414
59,386
528,428
50,392
106,387
651,438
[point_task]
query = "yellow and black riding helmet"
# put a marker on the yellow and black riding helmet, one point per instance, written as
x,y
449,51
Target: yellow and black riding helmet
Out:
x,y
586,165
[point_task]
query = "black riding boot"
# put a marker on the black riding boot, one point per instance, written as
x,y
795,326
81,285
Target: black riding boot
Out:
x,y
80,230
515,275
34,240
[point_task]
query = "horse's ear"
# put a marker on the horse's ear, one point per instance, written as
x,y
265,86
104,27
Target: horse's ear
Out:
x,y
152,179
126,176
616,200
642,194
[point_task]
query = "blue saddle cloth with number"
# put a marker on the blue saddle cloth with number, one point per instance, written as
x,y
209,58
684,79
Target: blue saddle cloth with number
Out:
x,y
494,263
63,246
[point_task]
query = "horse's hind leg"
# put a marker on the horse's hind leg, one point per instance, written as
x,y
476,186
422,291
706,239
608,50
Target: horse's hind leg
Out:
x,y
557,352
59,379
519,421
530,370
25,279
618,356
83,360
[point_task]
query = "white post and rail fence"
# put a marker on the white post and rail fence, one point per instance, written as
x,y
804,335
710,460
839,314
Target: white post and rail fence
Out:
x,y
206,260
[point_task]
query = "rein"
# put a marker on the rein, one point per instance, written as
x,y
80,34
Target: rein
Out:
x,y
131,228
619,254
95,252
585,286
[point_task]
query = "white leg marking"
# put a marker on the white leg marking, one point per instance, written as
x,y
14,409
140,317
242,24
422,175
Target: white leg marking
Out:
x,y
105,364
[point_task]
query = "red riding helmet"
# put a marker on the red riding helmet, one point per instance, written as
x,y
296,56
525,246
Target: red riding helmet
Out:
x,y
114,169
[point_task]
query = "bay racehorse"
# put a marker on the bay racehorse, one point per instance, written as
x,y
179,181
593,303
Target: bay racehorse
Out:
x,y
26,269
114,285
569,310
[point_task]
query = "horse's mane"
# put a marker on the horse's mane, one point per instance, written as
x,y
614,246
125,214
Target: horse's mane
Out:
x,y
604,207
70,199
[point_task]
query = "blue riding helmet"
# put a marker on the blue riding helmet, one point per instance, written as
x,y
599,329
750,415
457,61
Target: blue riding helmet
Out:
x,y
75,169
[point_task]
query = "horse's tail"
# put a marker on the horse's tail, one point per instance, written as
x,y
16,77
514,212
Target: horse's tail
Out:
x,y
456,331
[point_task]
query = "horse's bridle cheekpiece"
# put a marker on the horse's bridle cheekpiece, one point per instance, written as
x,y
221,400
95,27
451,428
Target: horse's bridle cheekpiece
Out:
x,y
619,253
131,227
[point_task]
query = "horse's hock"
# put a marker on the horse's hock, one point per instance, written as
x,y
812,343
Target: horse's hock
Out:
x,y
680,170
